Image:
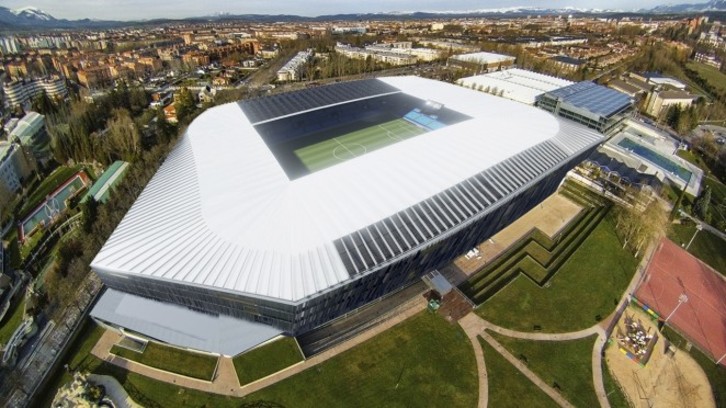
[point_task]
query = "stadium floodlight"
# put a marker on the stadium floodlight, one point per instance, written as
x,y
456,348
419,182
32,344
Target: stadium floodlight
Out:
x,y
699,227
683,298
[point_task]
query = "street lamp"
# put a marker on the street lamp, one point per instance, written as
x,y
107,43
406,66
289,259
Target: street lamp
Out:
x,y
683,298
699,227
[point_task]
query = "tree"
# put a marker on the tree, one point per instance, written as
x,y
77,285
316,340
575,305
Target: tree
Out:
x,y
123,137
678,203
184,104
164,130
641,222
44,105
90,213
702,205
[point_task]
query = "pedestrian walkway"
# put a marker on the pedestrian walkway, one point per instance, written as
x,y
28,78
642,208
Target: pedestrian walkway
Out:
x,y
225,381
472,332
475,326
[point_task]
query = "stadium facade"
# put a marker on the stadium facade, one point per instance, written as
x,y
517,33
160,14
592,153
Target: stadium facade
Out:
x,y
241,220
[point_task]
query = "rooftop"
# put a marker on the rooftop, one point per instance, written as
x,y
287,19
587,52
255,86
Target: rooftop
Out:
x,y
518,84
28,126
592,97
222,212
483,57
180,325
569,60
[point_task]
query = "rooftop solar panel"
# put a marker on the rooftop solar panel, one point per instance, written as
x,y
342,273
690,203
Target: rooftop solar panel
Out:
x,y
592,97
262,109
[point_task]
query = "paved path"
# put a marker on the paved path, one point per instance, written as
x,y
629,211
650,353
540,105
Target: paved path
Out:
x,y
226,382
581,334
472,332
474,326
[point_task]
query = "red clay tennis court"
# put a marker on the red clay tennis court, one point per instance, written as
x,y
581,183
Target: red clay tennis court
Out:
x,y
701,318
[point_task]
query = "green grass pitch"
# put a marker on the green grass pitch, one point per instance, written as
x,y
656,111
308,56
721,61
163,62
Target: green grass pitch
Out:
x,y
339,149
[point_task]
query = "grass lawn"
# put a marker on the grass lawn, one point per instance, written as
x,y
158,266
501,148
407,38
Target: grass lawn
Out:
x,y
171,359
718,197
589,284
49,184
713,76
350,145
416,363
12,252
429,359
716,373
508,387
266,360
693,158
616,397
11,321
564,363
707,247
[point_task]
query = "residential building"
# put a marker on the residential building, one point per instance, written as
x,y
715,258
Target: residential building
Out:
x,y
22,92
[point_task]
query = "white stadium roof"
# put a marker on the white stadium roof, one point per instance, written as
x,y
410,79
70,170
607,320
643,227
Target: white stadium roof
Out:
x,y
222,213
483,57
518,84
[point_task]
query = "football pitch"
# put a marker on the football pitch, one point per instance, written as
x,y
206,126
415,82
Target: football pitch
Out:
x,y
351,145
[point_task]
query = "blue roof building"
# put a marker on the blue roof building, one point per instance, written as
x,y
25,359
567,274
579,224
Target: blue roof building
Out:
x,y
595,106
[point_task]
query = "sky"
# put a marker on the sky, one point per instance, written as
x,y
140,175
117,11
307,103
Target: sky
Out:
x,y
148,9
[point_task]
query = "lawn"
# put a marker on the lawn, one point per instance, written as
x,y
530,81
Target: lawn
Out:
x,y
718,197
345,147
508,387
416,363
588,285
266,360
12,251
693,158
172,359
12,320
421,360
712,75
716,373
565,365
706,246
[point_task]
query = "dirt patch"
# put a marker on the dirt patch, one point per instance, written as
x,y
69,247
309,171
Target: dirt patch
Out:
x,y
666,381
550,216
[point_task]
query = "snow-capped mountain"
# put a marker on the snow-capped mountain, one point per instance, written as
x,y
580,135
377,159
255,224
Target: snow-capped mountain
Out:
x,y
33,17
32,13
713,5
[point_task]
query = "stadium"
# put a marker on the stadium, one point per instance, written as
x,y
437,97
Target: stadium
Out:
x,y
291,210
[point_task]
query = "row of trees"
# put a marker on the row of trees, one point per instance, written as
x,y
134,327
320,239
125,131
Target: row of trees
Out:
x,y
99,220
111,128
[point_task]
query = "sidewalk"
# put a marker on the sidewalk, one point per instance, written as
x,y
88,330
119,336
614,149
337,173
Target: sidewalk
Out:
x,y
475,326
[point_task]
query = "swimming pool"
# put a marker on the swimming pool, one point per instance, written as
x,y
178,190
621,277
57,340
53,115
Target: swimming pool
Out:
x,y
656,158
55,204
